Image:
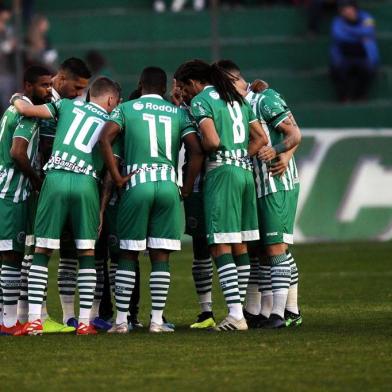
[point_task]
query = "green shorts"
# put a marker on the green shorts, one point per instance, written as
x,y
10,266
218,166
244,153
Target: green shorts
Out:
x,y
68,197
13,225
276,217
194,215
149,216
230,206
113,241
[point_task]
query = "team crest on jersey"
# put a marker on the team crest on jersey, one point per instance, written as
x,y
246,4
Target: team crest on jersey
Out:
x,y
214,95
78,103
138,106
21,237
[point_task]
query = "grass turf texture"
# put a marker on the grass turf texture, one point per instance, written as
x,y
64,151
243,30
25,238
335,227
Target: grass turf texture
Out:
x,y
345,343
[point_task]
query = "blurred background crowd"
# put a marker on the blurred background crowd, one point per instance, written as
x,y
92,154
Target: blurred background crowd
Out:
x,y
345,29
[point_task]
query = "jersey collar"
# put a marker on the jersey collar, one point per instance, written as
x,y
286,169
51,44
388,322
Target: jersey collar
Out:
x,y
55,95
209,86
151,96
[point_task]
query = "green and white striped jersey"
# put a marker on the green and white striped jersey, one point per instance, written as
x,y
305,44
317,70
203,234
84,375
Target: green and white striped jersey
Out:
x,y
232,125
79,125
152,129
271,109
13,184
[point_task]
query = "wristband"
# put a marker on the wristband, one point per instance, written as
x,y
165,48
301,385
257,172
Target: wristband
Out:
x,y
279,148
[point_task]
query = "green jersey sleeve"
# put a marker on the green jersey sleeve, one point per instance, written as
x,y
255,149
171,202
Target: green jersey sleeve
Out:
x,y
186,125
117,116
201,109
54,107
273,109
25,129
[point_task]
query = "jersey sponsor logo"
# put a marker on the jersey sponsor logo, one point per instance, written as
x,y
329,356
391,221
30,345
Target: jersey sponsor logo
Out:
x,y
97,111
214,95
67,165
162,108
79,103
138,106
274,233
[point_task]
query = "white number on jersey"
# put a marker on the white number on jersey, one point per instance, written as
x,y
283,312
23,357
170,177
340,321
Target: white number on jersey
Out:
x,y
152,127
80,142
238,125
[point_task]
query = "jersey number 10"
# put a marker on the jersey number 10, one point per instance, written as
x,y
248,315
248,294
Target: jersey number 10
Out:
x,y
80,142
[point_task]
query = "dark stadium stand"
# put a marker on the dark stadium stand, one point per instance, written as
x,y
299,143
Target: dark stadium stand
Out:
x,y
270,43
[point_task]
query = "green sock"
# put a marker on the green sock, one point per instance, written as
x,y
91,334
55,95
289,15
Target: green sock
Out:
x,y
243,269
159,288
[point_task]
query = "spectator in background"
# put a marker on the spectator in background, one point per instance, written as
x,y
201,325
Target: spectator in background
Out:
x,y
178,5
354,51
7,59
38,48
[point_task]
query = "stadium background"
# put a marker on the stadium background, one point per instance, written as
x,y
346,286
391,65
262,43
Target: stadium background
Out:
x,y
344,159
345,162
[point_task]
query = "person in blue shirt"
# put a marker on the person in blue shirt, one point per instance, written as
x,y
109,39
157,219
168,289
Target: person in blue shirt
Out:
x,y
354,51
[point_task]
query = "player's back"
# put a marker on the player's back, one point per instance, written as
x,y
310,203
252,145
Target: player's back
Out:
x,y
231,122
152,128
79,125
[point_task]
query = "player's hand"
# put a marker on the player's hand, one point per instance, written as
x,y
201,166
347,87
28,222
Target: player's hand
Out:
x,y
279,167
15,97
185,192
176,94
121,181
258,86
100,223
266,153
37,183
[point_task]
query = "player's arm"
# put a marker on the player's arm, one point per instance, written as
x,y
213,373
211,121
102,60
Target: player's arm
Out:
x,y
108,134
195,164
210,139
28,110
106,192
19,155
292,138
257,137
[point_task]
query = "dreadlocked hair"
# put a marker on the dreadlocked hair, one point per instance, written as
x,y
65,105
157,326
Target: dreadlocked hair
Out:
x,y
213,74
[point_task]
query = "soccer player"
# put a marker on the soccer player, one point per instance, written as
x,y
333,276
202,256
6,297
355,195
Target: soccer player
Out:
x,y
202,269
70,82
18,178
230,135
150,211
277,186
71,181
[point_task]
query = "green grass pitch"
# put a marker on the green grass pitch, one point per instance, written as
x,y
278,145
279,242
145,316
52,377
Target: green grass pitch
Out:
x,y
345,343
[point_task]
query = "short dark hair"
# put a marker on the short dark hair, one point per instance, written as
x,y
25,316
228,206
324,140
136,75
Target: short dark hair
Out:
x,y
104,85
228,65
153,78
32,73
76,67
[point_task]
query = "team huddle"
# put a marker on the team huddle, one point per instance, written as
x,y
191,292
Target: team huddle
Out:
x,y
92,176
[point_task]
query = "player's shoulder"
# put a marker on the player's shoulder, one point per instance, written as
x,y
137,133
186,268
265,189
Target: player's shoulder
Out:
x,y
12,116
